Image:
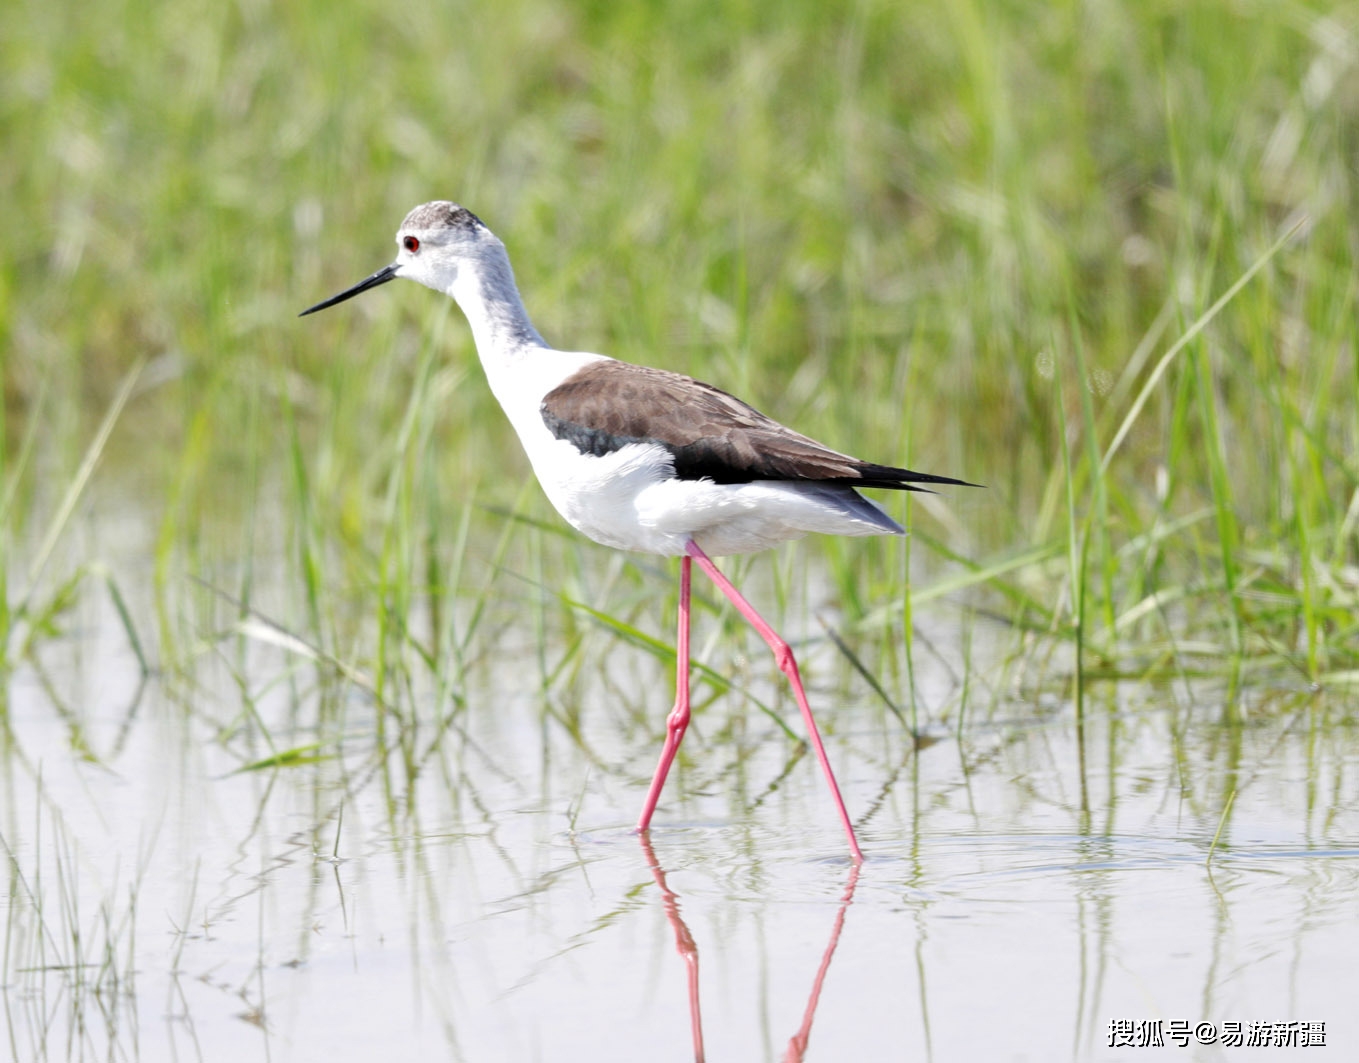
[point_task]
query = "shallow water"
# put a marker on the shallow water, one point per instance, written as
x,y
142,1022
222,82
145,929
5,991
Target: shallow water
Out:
x,y
481,896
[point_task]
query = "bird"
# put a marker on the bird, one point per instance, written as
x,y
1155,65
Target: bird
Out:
x,y
644,459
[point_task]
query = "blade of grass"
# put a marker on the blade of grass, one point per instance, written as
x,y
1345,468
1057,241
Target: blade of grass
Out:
x,y
82,479
1221,823
1190,334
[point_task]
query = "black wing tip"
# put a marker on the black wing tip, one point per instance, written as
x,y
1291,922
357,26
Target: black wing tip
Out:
x,y
888,476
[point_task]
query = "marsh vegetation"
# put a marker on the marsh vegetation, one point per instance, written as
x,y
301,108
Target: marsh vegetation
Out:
x,y
320,733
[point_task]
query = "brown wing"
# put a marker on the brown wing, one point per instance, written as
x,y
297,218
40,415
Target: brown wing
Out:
x,y
711,435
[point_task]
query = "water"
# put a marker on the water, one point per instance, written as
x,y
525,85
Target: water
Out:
x,y
476,893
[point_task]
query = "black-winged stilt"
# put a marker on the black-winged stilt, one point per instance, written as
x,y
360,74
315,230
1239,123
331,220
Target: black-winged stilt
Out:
x,y
645,459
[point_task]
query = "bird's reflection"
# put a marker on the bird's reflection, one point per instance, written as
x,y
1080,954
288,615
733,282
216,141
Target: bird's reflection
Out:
x,y
797,1045
684,942
688,950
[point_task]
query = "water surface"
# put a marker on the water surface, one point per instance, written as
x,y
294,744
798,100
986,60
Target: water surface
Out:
x,y
473,891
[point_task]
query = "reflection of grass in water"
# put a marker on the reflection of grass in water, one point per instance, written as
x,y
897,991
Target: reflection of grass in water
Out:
x,y
61,964
965,240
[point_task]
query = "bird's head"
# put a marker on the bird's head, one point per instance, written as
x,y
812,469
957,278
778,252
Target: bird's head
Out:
x,y
436,240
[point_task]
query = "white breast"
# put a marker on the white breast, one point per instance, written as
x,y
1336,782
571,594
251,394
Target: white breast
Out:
x,y
596,495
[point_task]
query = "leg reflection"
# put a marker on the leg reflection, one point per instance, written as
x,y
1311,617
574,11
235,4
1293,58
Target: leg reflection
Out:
x,y
688,950
684,941
798,1044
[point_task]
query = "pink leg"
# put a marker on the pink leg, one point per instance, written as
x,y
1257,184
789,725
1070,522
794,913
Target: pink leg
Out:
x,y
783,654
678,720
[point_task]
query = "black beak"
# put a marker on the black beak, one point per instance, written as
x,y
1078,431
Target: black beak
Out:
x,y
382,276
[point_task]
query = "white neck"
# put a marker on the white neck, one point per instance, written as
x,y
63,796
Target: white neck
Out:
x,y
485,289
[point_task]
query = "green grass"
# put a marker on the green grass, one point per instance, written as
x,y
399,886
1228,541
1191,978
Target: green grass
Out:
x,y
1097,258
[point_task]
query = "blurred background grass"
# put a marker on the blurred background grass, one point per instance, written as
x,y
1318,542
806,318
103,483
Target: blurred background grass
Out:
x,y
955,235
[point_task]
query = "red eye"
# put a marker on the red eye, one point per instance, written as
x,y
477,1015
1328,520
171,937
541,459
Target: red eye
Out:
x,y
411,244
